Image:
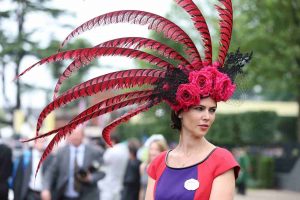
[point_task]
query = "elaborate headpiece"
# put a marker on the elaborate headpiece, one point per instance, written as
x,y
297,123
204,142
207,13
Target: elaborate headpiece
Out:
x,y
180,85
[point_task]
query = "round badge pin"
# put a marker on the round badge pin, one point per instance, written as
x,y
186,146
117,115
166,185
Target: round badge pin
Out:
x,y
191,184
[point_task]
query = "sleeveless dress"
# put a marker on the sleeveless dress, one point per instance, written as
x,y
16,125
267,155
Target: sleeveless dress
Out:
x,y
192,182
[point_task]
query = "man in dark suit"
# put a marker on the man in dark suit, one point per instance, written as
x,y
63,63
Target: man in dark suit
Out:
x,y
26,186
5,169
74,171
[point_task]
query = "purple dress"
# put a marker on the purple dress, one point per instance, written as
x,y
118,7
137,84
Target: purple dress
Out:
x,y
192,182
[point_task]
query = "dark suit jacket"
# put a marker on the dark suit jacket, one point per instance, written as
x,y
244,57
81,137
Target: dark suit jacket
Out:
x,y
59,170
23,174
6,167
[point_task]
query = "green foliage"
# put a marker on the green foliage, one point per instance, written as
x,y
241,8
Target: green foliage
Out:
x,y
244,128
155,121
265,172
251,128
287,129
258,127
271,29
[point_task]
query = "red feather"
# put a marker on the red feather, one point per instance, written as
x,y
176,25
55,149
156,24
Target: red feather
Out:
x,y
154,22
67,129
129,42
106,131
117,80
226,23
114,100
139,42
90,53
200,24
74,123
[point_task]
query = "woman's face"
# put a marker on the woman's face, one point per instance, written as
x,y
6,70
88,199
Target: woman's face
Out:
x,y
154,151
198,119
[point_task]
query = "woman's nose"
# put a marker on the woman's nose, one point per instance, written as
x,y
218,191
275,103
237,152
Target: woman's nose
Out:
x,y
206,115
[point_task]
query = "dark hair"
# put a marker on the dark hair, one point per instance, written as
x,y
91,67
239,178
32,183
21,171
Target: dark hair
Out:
x,y
115,138
133,146
176,121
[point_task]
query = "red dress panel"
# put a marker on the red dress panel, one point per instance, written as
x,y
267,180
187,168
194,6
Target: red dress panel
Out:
x,y
216,163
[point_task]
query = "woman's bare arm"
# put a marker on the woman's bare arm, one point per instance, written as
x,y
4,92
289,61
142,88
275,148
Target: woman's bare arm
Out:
x,y
150,189
223,187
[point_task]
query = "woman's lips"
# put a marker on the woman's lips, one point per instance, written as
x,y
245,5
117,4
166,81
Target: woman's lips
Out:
x,y
204,127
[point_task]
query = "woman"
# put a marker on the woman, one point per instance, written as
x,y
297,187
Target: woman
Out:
x,y
195,169
156,147
189,85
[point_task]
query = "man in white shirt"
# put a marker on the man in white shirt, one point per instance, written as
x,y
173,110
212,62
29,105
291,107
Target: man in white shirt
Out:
x,y
115,163
26,185
71,171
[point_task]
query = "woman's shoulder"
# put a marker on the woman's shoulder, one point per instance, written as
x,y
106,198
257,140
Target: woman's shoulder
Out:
x,y
157,166
222,153
224,160
221,156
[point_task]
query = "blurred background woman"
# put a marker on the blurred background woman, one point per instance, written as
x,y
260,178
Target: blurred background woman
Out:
x,y
156,147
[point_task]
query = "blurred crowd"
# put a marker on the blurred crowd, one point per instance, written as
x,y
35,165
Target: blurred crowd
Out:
x,y
78,168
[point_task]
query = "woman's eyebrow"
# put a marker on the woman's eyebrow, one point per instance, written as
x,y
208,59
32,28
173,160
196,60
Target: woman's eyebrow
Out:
x,y
205,106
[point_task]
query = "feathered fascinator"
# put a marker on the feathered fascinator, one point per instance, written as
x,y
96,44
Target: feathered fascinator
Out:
x,y
180,86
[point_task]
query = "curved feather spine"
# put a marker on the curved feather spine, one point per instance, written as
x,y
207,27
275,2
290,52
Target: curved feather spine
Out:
x,y
140,42
127,42
117,80
106,131
90,53
67,129
113,100
226,23
200,24
96,113
154,22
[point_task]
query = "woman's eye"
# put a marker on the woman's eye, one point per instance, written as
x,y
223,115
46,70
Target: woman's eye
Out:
x,y
212,110
200,108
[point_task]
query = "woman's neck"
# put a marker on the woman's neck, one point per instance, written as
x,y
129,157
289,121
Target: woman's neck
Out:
x,y
188,145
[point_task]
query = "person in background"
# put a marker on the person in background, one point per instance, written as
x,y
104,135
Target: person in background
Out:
x,y
26,185
131,183
6,167
244,161
115,163
156,147
74,171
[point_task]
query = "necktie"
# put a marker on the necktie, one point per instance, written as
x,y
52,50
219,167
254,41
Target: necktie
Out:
x,y
76,169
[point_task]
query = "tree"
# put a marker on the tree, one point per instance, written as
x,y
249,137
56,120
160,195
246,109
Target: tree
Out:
x,y
16,47
271,28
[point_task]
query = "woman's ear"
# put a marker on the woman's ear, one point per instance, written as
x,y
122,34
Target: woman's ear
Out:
x,y
178,115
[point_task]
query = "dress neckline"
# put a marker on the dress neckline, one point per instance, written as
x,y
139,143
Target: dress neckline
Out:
x,y
193,165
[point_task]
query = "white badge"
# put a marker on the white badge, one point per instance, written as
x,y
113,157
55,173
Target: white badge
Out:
x,y
191,184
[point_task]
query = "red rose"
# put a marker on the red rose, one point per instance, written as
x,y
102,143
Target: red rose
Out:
x,y
187,95
223,88
203,80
